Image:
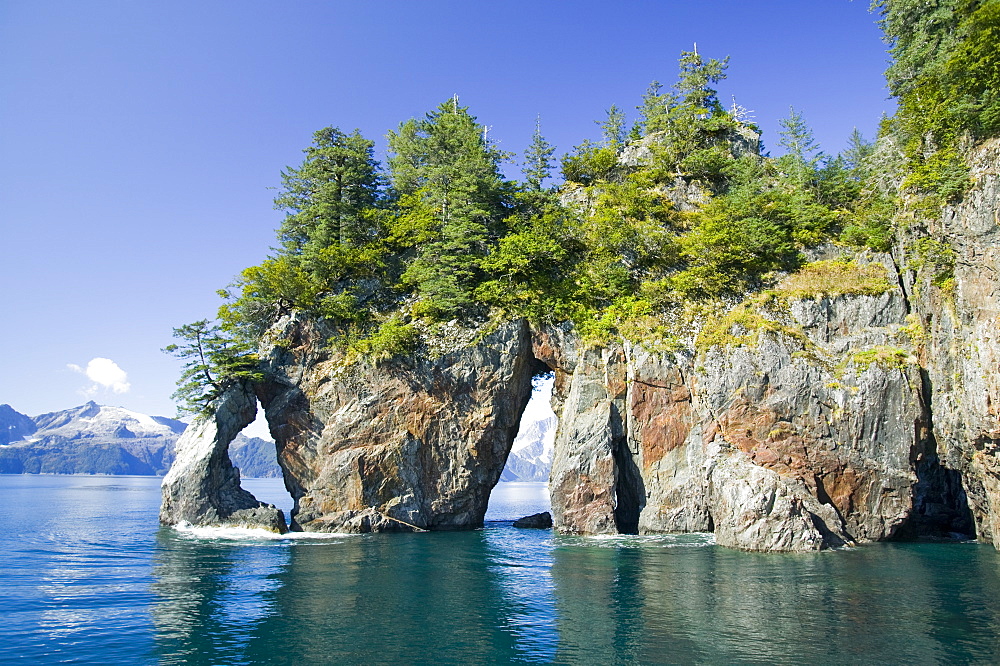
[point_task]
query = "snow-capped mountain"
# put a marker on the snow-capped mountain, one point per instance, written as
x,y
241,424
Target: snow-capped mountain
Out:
x,y
104,422
98,439
14,425
530,457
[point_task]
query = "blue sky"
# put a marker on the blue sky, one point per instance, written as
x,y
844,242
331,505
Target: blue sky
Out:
x,y
140,142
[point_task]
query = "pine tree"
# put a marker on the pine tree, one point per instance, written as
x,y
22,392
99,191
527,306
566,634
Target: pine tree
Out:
x,y
447,176
538,161
858,150
697,76
692,121
613,127
803,152
796,137
330,197
214,361
654,112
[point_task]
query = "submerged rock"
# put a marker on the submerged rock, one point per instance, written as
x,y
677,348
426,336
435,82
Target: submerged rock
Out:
x,y
536,520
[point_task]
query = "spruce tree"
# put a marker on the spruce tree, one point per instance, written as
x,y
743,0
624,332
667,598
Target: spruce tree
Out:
x,y
330,197
858,150
655,109
447,177
538,161
613,127
213,361
803,154
697,76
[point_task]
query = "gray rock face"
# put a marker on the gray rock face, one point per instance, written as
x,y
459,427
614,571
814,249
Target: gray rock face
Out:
x,y
775,441
408,444
202,487
960,348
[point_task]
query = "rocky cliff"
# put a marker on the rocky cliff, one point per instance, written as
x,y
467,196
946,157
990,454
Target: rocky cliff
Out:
x,y
807,417
954,289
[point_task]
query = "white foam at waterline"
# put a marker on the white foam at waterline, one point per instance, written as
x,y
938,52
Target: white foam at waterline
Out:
x,y
682,540
251,533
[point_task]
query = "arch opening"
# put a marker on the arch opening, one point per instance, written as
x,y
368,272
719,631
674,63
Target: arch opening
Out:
x,y
254,452
522,489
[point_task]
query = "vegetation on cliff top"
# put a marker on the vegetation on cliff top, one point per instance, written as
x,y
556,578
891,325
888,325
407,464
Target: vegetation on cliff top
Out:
x,y
441,234
680,208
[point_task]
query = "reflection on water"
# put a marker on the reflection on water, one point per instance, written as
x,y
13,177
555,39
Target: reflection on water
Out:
x,y
209,596
88,577
74,583
503,595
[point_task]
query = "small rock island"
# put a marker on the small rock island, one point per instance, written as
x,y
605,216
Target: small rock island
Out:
x,y
795,353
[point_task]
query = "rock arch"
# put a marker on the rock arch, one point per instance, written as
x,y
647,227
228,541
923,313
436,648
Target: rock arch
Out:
x,y
202,486
416,444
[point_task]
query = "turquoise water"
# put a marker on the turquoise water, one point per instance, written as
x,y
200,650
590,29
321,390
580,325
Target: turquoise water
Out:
x,y
88,577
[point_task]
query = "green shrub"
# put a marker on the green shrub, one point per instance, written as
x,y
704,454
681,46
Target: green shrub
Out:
x,y
935,258
589,163
391,339
887,358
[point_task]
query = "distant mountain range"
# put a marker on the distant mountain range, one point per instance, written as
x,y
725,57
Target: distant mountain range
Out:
x,y
530,458
98,439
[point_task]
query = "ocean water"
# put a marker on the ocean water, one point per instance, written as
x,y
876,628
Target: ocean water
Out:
x,y
87,576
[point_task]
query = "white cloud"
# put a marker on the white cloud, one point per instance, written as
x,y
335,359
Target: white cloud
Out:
x,y
105,373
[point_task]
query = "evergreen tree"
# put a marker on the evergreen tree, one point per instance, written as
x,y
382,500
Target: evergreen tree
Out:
x,y
538,158
330,238
696,120
613,127
213,361
697,76
454,200
329,198
797,138
858,150
922,34
654,112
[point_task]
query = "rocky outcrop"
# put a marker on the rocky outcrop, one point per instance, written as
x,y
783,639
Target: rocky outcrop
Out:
x,y
408,444
798,421
954,286
797,435
202,487
540,521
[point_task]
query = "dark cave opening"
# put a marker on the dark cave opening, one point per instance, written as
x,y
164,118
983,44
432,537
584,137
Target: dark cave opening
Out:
x,y
940,505
630,491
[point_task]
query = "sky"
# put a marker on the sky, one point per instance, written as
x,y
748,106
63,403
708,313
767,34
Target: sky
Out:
x,y
141,142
